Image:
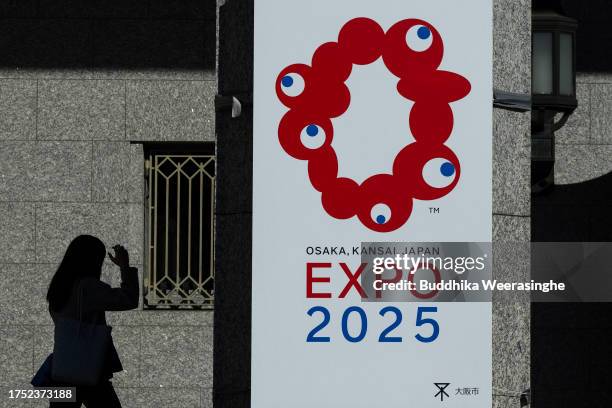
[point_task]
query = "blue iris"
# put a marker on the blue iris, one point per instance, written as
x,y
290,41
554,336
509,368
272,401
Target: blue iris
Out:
x,y
287,81
423,33
381,219
447,169
312,130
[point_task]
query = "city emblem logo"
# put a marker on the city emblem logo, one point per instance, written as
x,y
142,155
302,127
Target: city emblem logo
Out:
x,y
425,169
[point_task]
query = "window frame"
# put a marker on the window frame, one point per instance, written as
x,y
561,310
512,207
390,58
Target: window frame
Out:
x,y
150,150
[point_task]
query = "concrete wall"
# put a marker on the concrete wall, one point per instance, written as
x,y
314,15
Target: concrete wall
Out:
x,y
570,341
584,145
78,82
232,359
511,200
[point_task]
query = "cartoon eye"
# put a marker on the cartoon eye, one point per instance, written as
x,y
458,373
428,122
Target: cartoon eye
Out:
x,y
439,173
313,136
419,38
381,213
292,84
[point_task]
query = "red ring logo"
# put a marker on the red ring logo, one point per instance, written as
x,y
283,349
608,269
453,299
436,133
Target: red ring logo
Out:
x,y
425,169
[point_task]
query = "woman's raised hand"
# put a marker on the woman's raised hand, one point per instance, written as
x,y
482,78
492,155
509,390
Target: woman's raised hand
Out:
x,y
121,257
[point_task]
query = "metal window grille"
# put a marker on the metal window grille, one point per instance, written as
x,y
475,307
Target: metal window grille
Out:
x,y
180,231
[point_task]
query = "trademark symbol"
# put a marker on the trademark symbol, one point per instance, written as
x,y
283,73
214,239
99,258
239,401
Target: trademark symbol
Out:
x,y
434,210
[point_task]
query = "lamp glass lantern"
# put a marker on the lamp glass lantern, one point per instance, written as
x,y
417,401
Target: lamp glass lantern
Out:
x,y
553,61
553,88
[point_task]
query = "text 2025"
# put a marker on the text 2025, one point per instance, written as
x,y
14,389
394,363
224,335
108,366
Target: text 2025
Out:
x,y
425,321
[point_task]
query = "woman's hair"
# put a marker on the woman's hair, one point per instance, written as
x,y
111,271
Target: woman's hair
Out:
x,y
83,258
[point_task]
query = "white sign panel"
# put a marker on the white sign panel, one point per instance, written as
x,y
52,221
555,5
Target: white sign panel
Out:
x,y
372,123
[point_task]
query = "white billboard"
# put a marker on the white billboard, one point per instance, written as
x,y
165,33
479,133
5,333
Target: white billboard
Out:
x,y
372,123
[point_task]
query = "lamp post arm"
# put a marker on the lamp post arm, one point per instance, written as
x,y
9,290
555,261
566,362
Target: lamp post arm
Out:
x,y
558,125
515,102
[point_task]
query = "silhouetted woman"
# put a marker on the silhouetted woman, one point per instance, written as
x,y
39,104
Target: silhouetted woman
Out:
x,y
79,275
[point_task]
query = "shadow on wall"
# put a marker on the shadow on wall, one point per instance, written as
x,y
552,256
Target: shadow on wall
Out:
x,y
111,34
574,212
594,34
571,355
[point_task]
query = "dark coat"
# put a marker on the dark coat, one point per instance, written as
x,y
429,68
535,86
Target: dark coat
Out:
x,y
98,297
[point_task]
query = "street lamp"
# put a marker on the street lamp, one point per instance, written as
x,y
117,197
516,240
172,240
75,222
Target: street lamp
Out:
x,y
553,61
553,87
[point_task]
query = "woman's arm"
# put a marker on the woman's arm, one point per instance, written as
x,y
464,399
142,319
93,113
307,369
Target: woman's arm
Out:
x,y
101,296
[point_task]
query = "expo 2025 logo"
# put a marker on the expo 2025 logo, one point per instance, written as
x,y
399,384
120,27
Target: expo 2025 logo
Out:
x,y
425,169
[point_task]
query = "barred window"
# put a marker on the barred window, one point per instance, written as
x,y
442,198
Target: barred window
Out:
x,y
179,200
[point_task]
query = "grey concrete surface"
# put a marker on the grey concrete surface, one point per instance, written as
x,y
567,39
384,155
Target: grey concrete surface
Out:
x,y
170,110
78,81
511,199
511,228
18,107
601,116
180,355
583,147
23,283
511,163
577,130
577,163
81,110
18,232
110,173
45,171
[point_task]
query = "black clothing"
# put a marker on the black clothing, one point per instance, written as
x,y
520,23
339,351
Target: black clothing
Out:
x,y
101,396
96,297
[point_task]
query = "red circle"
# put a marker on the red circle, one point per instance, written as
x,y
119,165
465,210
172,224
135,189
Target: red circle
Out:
x,y
431,122
325,96
361,39
330,60
384,189
291,127
323,169
401,60
409,165
339,199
